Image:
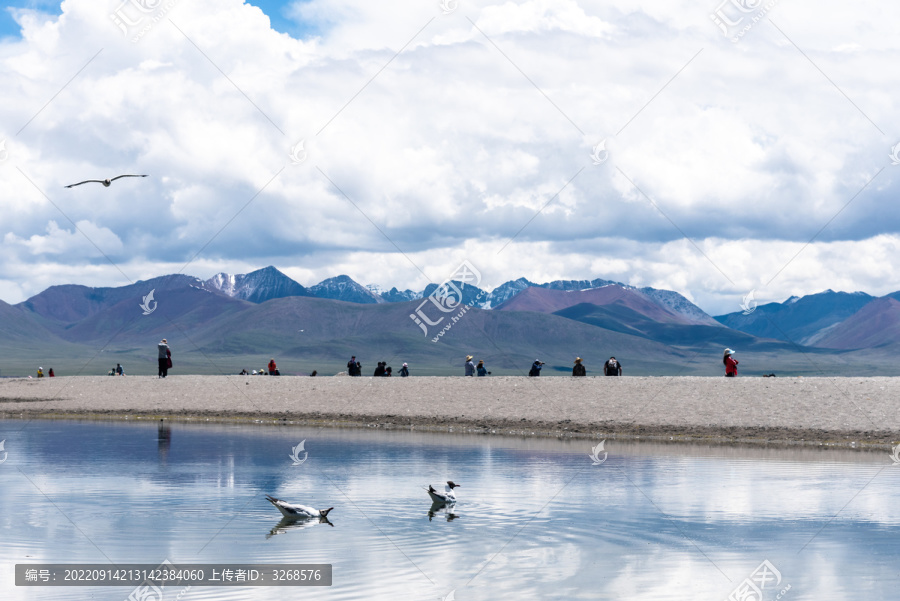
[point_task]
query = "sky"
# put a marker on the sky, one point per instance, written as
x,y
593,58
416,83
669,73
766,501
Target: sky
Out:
x,y
712,148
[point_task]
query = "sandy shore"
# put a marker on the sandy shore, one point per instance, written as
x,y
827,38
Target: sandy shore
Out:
x,y
862,412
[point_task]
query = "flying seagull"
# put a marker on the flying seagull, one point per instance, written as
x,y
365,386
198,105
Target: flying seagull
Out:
x,y
297,512
105,182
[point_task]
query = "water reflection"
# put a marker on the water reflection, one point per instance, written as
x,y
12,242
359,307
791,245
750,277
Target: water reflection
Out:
x,y
445,509
163,441
541,522
287,524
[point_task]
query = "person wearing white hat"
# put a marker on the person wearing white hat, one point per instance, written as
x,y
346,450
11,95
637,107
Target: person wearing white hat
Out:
x,y
404,371
470,367
730,363
163,358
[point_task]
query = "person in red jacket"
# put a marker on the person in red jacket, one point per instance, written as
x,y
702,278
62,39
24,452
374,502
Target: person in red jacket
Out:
x,y
730,363
273,369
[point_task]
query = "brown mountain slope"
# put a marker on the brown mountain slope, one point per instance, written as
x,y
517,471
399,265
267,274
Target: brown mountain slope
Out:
x,y
542,300
877,323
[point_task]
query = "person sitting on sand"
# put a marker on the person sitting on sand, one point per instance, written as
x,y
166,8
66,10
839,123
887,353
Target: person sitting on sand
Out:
x,y
379,371
470,367
404,371
612,367
579,369
273,369
730,363
244,372
387,372
51,374
480,369
40,373
120,371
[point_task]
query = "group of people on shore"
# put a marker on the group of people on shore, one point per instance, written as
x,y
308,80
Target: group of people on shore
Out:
x,y
612,366
382,370
475,370
118,370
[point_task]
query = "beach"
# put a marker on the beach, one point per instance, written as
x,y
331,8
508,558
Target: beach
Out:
x,y
847,412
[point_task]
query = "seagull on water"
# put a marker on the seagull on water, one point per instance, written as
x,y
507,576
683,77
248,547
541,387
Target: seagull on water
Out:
x,y
297,512
105,182
448,496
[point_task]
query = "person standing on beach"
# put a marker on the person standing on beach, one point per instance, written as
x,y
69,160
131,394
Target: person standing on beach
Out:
x,y
579,369
730,363
353,367
612,367
163,358
536,368
470,367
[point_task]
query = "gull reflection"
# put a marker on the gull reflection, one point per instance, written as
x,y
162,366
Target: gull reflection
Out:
x,y
297,524
443,509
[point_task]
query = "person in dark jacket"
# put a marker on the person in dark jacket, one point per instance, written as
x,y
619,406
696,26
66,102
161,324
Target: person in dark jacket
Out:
x,y
379,371
579,369
353,367
388,372
536,368
404,371
730,363
163,358
612,367
480,369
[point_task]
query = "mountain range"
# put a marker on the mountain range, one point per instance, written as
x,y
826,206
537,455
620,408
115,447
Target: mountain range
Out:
x,y
227,322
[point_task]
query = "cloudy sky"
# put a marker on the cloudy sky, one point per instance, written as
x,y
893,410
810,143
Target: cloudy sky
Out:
x,y
705,147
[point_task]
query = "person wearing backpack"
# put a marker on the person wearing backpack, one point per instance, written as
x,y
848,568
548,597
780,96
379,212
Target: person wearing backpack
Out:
x,y
163,358
612,367
579,369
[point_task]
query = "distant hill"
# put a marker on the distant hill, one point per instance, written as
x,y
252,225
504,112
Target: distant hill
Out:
x,y
228,322
802,320
344,288
71,303
257,286
551,301
876,324
472,296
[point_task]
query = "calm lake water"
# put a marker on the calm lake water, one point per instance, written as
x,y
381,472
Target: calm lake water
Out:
x,y
534,520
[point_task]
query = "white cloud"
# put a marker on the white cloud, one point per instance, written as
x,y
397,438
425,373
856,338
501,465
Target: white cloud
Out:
x,y
450,150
